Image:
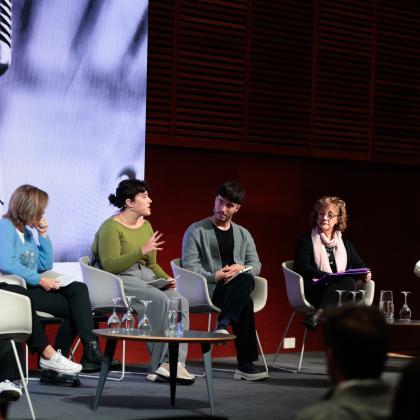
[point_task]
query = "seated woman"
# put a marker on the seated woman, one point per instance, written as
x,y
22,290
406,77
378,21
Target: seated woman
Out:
x,y
126,245
323,250
20,254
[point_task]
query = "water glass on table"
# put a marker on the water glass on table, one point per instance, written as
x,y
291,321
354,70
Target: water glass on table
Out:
x,y
174,326
405,311
386,304
114,321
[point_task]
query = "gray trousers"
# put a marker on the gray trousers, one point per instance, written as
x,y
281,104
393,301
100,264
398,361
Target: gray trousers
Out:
x,y
134,280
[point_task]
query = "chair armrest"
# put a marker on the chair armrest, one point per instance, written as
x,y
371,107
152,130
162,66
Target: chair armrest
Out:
x,y
260,293
13,279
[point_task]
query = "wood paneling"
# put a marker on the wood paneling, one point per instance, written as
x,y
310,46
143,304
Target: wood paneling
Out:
x,y
307,78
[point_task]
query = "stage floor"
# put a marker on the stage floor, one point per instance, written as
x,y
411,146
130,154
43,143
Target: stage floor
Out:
x,y
278,397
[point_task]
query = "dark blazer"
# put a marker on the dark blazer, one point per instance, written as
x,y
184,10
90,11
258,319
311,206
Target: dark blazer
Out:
x,y
305,261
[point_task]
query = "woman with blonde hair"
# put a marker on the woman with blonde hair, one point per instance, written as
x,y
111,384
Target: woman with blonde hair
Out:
x,y
323,251
22,255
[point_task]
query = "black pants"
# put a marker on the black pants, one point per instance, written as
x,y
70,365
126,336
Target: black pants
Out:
x,y
36,342
322,296
236,305
72,304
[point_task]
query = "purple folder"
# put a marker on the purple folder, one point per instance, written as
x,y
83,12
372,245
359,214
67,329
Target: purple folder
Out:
x,y
353,272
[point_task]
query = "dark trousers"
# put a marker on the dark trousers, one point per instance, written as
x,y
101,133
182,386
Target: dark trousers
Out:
x,y
324,295
236,306
72,304
36,342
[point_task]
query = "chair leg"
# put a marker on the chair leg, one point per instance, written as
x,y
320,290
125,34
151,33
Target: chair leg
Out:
x,y
261,351
302,349
120,378
283,337
24,383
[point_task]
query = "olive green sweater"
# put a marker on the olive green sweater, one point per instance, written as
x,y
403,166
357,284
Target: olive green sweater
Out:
x,y
118,247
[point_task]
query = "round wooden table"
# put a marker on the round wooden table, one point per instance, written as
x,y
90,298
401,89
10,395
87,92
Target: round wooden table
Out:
x,y
206,339
404,335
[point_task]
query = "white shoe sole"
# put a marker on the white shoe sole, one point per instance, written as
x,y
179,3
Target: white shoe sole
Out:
x,y
238,375
66,371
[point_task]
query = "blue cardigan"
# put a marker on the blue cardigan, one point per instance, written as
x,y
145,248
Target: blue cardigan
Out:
x,y
27,259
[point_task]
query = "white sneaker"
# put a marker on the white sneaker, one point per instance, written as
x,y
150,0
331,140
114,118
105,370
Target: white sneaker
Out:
x,y
221,331
9,391
60,364
182,374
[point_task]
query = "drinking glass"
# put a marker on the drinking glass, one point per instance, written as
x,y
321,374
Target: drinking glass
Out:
x,y
114,322
405,311
386,304
144,326
362,300
174,321
354,293
340,292
128,320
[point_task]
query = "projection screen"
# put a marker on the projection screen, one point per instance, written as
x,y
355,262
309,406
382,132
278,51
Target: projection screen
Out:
x,y
72,110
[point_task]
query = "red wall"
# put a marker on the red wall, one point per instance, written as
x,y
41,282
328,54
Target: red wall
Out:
x,y
381,199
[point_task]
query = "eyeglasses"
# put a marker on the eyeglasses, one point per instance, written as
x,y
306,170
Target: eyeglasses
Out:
x,y
329,215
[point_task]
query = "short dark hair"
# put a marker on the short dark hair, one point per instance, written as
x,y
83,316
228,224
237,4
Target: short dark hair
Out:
x,y
232,191
127,189
358,339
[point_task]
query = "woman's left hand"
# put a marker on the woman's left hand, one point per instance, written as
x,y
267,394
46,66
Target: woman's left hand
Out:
x,y
368,276
42,227
172,284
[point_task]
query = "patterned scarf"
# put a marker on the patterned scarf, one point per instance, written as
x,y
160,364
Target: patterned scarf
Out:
x,y
320,241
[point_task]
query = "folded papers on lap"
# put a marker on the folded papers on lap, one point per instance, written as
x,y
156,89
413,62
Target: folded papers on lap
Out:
x,y
159,283
352,272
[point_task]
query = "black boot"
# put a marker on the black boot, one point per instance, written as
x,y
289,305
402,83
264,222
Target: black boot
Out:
x,y
92,357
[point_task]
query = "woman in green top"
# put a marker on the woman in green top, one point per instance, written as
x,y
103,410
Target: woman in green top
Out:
x,y
126,245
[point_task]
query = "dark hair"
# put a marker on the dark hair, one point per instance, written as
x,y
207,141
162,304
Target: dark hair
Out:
x,y
127,189
358,339
232,191
405,406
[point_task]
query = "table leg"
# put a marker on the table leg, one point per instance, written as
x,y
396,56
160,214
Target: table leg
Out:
x,y
206,349
106,363
173,366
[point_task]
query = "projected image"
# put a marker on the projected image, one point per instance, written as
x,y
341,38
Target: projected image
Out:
x,y
72,110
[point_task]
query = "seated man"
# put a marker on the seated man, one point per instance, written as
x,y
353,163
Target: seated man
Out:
x,y
356,339
221,251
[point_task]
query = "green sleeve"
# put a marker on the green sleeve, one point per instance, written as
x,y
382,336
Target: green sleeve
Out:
x,y
109,250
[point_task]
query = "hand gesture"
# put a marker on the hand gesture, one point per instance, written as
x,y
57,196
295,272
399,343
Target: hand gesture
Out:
x,y
153,244
42,227
49,284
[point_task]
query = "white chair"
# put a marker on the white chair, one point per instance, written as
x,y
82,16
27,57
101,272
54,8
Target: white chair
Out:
x,y
46,318
16,328
296,295
193,287
103,287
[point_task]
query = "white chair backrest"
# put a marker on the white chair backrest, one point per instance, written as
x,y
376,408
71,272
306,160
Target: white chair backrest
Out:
x,y
15,315
370,292
103,286
13,279
260,293
193,287
294,287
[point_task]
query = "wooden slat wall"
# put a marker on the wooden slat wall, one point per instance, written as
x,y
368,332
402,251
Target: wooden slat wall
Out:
x,y
310,78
